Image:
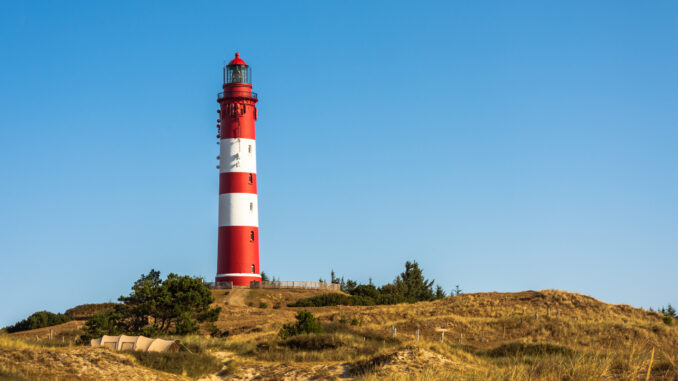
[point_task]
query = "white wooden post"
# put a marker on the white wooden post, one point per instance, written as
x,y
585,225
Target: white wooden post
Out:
x,y
416,335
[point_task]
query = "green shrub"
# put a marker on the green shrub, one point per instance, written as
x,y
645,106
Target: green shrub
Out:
x,y
155,306
410,286
355,321
367,290
343,320
276,306
668,320
194,365
39,319
86,311
212,329
185,325
514,349
315,342
306,323
263,305
106,323
332,299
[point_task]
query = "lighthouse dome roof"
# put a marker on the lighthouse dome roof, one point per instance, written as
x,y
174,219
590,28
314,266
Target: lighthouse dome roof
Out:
x,y
237,60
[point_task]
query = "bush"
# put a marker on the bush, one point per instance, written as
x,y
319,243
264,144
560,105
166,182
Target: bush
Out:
x,y
263,305
86,311
107,323
194,365
514,349
410,286
668,320
355,321
185,325
39,319
276,306
154,307
306,323
315,342
366,290
333,299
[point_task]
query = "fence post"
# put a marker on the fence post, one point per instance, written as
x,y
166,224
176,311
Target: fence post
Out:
x,y
393,331
461,338
442,336
416,335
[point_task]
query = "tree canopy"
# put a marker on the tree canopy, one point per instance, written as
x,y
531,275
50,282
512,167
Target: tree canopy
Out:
x,y
410,286
39,319
176,305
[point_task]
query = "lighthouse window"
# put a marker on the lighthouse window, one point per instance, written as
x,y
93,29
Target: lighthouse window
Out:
x,y
251,178
251,235
251,206
249,149
253,272
238,74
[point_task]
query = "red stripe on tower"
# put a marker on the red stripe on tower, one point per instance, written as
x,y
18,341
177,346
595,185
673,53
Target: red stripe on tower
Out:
x,y
238,247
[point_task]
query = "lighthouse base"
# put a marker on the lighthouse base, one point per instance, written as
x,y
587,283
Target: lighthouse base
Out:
x,y
238,279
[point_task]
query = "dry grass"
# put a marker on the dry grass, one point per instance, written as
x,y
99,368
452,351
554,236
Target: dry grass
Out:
x,y
24,360
546,335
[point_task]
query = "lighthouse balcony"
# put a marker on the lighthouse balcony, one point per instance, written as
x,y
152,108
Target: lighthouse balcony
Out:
x,y
251,95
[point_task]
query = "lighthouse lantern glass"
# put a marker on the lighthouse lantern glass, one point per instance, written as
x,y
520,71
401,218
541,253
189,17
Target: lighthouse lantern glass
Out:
x,y
238,74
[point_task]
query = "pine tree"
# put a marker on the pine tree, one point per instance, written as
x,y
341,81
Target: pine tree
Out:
x,y
440,293
412,285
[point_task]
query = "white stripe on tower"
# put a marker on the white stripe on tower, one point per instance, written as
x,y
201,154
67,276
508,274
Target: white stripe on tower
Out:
x,y
238,155
238,209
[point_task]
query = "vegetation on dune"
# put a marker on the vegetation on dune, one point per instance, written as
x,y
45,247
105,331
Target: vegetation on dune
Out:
x,y
194,365
542,336
408,287
37,320
669,314
6,375
85,311
176,305
306,323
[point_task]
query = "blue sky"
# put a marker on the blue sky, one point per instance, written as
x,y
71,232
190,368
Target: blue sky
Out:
x,y
504,146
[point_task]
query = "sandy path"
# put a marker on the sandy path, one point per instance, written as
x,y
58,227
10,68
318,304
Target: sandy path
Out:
x,y
236,297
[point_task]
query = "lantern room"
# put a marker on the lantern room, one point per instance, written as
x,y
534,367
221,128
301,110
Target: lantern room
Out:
x,y
237,71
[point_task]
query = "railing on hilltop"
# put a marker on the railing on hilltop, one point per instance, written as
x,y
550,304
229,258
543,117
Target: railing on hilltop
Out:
x,y
220,285
295,284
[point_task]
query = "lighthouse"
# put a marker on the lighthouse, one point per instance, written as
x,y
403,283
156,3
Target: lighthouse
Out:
x,y
238,245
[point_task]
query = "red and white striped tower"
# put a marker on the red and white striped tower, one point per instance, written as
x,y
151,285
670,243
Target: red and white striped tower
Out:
x,y
238,248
